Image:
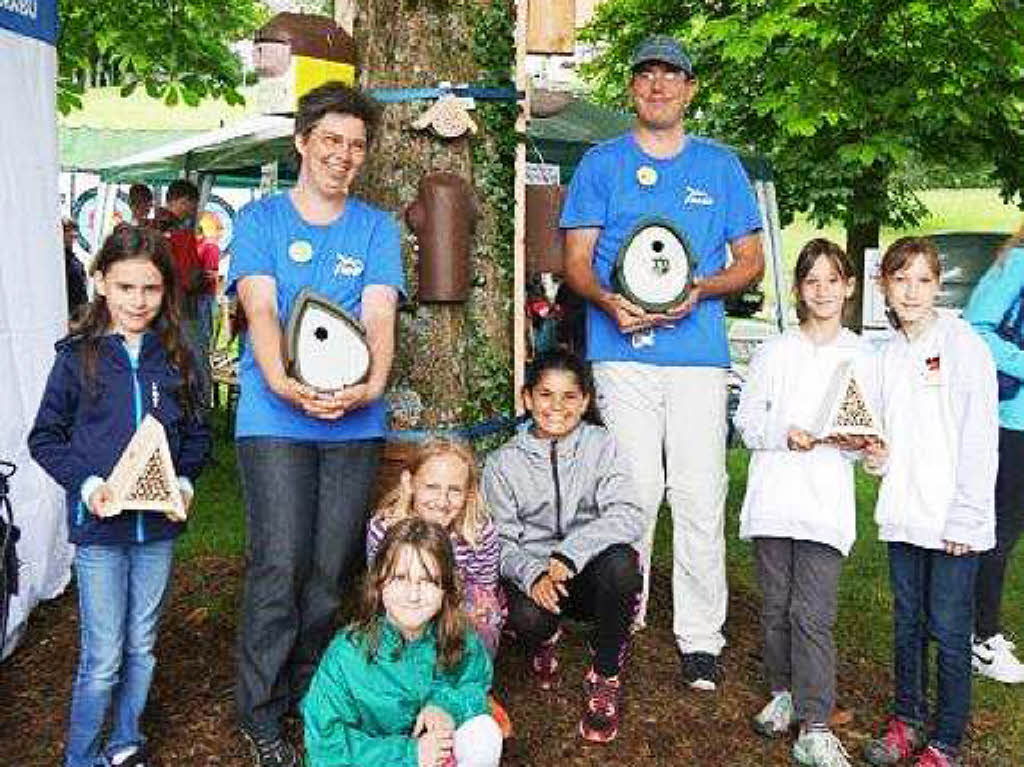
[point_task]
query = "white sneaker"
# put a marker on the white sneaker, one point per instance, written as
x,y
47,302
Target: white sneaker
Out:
x,y
820,748
777,716
994,659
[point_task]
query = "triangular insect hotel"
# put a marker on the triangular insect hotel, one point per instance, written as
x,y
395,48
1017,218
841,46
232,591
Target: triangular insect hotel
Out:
x,y
845,409
326,346
144,477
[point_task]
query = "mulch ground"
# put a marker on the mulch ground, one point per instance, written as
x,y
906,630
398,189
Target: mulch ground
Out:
x,y
190,714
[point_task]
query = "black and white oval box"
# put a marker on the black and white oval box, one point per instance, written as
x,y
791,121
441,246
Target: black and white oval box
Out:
x,y
654,268
325,345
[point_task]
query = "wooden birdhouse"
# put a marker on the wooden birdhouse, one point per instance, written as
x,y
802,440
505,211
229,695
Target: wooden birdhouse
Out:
x,y
845,411
296,52
551,26
325,346
144,478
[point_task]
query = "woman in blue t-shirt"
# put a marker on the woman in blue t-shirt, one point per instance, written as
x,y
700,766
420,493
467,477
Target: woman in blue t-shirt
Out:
x,y
307,457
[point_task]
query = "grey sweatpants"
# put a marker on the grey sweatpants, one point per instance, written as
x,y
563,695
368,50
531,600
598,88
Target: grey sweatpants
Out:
x,y
799,581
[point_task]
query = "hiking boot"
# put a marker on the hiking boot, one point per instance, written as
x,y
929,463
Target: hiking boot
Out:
x,y
994,659
700,670
777,716
818,747
270,751
600,722
899,741
936,757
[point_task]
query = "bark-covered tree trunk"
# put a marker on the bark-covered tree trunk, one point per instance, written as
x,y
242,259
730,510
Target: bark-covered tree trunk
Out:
x,y
402,43
859,237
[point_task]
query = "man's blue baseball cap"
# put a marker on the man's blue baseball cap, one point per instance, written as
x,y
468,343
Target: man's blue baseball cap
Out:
x,y
663,49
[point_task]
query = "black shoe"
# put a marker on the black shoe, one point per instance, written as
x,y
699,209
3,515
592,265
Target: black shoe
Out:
x,y
270,752
700,670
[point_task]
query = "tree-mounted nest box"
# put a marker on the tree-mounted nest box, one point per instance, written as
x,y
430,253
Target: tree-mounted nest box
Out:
x,y
296,52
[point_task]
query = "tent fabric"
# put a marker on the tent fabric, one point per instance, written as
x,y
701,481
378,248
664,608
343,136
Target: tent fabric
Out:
x,y
239,149
83,149
32,308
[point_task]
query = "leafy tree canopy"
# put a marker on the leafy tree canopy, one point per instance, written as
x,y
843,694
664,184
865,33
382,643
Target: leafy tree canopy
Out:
x,y
843,97
178,50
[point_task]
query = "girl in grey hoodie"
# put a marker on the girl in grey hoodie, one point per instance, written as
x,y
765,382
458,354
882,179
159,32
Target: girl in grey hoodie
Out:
x,y
568,523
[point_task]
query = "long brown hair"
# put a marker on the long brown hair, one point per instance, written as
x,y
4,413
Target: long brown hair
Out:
x,y
430,542
899,255
817,248
127,242
398,503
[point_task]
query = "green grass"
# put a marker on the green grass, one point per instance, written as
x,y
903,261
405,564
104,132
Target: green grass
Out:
x,y
865,605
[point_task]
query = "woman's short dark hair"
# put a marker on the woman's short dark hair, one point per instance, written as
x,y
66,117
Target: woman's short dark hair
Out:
x,y
338,98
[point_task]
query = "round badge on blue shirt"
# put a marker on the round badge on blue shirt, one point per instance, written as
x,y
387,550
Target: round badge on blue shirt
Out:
x,y
300,251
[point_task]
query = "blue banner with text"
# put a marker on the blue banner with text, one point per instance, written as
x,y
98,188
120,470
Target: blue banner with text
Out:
x,y
32,18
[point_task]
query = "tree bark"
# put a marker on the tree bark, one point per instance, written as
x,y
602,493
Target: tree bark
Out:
x,y
859,237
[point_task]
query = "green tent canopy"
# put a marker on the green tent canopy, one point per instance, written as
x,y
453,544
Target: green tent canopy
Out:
x,y
563,138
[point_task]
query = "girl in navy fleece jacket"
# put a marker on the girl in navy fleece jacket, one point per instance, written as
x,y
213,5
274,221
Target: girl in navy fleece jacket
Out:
x,y
126,359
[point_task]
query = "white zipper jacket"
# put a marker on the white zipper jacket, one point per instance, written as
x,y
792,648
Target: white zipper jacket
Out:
x,y
793,494
939,405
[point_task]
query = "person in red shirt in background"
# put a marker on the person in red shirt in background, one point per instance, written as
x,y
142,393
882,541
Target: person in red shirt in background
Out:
x,y
176,219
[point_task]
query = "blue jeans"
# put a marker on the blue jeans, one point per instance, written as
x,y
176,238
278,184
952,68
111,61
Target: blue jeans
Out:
x,y
933,596
121,592
306,507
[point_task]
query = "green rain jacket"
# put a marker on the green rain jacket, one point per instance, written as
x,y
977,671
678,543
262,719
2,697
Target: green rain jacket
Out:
x,y
359,712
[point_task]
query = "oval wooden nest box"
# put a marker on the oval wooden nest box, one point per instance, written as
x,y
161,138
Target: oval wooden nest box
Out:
x,y
325,345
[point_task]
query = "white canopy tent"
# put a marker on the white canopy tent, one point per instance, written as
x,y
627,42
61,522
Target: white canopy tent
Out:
x,y
33,305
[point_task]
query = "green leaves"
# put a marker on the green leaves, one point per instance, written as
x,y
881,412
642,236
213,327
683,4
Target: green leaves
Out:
x,y
847,99
178,51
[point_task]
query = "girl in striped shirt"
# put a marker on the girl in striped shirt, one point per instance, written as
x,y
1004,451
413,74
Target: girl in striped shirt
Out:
x,y
441,485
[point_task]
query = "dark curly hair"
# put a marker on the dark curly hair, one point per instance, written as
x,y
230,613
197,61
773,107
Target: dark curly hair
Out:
x,y
338,98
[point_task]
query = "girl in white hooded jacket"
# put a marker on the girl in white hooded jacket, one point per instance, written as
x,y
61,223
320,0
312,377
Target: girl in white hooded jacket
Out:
x,y
939,407
799,507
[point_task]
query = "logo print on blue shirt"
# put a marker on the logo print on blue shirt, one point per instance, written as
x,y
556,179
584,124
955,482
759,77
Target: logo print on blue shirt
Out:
x,y
348,266
696,196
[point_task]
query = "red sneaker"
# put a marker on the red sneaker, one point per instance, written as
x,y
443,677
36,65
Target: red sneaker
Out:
x,y
934,757
600,722
899,741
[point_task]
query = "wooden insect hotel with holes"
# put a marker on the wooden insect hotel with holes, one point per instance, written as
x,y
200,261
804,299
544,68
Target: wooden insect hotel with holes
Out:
x,y
846,411
144,477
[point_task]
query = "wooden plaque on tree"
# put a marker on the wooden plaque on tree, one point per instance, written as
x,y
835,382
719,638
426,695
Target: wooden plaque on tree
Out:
x,y
144,477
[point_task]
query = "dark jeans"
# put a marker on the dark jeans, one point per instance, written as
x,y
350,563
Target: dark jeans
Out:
x,y
799,584
988,594
305,509
933,595
606,591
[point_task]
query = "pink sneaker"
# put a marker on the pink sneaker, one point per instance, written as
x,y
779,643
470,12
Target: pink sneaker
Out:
x,y
933,757
899,741
600,722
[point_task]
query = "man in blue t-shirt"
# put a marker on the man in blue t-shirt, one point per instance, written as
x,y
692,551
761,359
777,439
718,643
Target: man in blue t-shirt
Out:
x,y
661,376
307,458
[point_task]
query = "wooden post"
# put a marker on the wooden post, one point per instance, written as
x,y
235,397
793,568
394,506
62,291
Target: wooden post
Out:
x,y
519,248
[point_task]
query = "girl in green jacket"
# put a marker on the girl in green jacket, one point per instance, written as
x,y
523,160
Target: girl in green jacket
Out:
x,y
406,683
